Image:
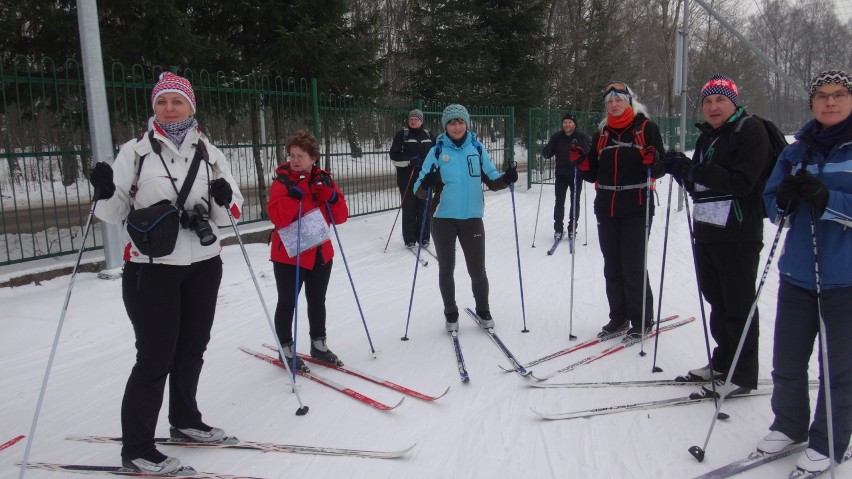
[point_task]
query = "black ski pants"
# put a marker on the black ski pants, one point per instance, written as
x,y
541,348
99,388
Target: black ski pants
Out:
x,y
564,183
413,208
727,273
171,309
471,236
796,330
316,285
622,241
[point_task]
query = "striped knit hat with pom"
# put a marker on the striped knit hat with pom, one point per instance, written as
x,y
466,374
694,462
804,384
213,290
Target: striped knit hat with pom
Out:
x,y
171,83
829,76
721,85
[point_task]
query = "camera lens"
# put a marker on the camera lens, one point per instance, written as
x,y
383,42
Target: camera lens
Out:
x,y
201,226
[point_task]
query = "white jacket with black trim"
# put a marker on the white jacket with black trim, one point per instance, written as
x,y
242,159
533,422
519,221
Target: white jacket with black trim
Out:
x,y
154,185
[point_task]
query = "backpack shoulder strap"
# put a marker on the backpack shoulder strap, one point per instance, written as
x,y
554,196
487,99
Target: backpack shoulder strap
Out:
x,y
639,137
603,139
405,133
740,123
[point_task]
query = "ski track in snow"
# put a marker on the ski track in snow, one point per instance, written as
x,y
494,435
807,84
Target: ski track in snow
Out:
x,y
480,429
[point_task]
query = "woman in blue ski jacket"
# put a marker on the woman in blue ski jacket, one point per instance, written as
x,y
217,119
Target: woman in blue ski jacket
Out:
x,y
461,164
812,184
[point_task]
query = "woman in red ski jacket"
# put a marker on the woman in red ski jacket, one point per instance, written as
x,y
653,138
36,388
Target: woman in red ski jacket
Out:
x,y
299,183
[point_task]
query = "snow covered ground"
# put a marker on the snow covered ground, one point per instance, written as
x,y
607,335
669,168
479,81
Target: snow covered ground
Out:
x,y
481,429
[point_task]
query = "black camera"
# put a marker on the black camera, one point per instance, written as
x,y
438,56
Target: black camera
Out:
x,y
196,220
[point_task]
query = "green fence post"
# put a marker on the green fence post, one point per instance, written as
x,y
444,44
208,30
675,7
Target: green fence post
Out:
x,y
510,137
315,107
530,144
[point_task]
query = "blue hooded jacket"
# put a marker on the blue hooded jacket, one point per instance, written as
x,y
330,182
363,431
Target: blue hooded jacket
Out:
x,y
834,238
461,169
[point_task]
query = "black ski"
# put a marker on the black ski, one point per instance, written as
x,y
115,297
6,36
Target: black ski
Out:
x,y
649,383
234,443
459,358
555,245
502,347
678,401
422,261
184,471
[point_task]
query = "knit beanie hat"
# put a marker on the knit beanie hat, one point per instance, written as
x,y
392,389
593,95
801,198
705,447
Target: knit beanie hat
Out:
x,y
455,112
171,83
415,113
829,76
721,85
570,116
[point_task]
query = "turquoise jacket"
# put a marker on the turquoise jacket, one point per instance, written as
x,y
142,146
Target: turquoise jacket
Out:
x,y
834,236
461,169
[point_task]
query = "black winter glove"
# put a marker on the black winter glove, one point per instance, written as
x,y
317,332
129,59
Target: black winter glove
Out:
x,y
679,166
431,178
787,195
295,192
221,191
511,174
415,162
101,179
812,191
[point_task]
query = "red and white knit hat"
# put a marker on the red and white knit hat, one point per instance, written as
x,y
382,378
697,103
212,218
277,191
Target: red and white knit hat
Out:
x,y
719,84
171,83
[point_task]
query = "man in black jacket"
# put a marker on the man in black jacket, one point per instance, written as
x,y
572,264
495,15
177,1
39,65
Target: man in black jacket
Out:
x,y
563,144
408,150
725,177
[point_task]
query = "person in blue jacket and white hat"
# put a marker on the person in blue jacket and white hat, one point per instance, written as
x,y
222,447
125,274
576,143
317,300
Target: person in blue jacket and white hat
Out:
x,y
812,185
460,163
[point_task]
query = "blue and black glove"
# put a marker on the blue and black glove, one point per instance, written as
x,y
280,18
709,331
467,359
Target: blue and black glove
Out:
x,y
511,174
430,179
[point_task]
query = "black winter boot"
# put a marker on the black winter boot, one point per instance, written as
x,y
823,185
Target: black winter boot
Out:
x,y
319,350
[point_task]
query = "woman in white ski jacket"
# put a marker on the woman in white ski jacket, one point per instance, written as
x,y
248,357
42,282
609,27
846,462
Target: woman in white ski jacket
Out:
x,y
171,299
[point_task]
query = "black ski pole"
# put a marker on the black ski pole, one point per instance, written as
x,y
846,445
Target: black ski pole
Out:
x,y
518,252
572,242
698,452
417,264
585,218
401,201
351,283
56,336
302,410
540,193
824,346
700,297
655,368
296,289
645,261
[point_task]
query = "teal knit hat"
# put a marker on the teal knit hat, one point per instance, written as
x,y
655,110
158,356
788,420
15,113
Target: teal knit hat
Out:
x,y
453,112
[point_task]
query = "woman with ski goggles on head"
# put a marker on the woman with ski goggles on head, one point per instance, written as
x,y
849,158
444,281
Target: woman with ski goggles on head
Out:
x,y
623,162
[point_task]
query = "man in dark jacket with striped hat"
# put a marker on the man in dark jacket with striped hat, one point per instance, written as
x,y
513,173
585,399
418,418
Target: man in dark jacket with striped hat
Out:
x,y
409,148
565,143
725,177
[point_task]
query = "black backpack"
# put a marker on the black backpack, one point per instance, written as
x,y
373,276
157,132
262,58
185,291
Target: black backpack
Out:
x,y
777,143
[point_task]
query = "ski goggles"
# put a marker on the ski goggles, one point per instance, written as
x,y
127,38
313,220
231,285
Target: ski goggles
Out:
x,y
615,89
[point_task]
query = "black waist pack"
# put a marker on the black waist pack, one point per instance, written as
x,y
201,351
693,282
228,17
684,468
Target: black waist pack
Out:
x,y
154,230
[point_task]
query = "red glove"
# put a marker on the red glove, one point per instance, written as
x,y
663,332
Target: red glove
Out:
x,y
324,193
649,155
584,164
575,153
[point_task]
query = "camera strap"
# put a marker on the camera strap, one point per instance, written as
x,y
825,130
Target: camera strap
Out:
x,y
190,176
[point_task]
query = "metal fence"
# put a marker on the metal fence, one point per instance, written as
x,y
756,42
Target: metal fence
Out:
x,y
544,122
44,140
